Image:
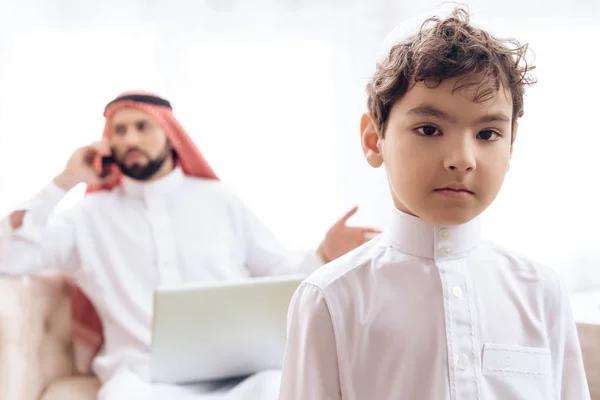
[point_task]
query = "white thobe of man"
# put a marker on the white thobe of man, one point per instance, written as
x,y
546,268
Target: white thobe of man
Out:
x,y
120,245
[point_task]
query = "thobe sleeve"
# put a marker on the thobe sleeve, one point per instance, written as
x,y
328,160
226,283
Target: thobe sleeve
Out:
x,y
567,362
265,255
44,240
310,366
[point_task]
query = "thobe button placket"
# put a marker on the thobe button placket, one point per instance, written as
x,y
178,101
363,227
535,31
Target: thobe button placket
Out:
x,y
446,250
462,362
460,326
159,221
457,292
444,234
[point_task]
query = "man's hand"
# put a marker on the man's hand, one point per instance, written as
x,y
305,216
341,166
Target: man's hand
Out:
x,y
16,219
81,166
342,238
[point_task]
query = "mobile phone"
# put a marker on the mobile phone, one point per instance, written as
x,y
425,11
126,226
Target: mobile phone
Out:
x,y
107,163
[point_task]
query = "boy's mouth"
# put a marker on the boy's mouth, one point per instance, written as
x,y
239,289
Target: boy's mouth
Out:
x,y
456,190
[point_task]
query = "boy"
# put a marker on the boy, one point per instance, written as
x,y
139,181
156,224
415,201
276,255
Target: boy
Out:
x,y
428,310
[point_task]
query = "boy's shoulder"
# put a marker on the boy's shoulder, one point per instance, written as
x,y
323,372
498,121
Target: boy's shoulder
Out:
x,y
527,268
328,274
519,267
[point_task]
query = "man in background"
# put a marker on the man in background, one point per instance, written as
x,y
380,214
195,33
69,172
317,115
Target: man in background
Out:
x,y
155,213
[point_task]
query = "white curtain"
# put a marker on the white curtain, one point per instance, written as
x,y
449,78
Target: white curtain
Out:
x,y
272,92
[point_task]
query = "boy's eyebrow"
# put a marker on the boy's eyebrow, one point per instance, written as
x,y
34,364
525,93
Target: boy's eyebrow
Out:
x,y
501,117
428,110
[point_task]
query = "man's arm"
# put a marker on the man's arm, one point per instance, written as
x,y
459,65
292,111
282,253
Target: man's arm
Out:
x,y
310,366
31,239
567,362
266,255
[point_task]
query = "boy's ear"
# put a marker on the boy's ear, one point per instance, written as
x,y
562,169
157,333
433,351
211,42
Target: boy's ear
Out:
x,y
370,137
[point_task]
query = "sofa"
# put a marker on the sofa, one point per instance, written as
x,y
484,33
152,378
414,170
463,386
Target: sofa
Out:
x,y
36,357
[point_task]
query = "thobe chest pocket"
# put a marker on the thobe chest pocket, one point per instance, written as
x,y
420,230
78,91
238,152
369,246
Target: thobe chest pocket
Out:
x,y
517,372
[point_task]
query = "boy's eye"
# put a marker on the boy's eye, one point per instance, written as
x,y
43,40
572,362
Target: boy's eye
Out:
x,y
488,135
428,130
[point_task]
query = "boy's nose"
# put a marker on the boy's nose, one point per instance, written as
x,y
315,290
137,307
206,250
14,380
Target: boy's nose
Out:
x,y
460,158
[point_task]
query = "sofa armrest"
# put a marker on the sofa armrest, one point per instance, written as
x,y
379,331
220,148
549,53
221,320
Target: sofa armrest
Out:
x,y
34,335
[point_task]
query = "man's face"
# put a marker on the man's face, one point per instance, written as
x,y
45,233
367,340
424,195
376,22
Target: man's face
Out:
x,y
140,146
445,155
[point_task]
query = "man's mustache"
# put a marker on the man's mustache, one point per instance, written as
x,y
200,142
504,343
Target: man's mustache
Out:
x,y
135,149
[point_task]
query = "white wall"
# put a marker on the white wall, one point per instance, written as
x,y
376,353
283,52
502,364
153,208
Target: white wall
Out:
x,y
273,93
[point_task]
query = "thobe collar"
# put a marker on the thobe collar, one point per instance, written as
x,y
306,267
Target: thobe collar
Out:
x,y
417,237
158,187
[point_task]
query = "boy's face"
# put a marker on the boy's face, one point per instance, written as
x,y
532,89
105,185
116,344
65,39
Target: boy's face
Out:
x,y
446,156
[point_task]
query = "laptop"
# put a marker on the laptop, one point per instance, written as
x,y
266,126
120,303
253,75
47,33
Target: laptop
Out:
x,y
205,332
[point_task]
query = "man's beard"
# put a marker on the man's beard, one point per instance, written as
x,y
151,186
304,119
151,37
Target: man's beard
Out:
x,y
143,172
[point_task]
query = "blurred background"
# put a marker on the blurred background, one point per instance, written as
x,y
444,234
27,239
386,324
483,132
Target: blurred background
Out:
x,y
272,92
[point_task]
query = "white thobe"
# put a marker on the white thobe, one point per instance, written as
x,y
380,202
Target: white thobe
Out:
x,y
121,245
426,312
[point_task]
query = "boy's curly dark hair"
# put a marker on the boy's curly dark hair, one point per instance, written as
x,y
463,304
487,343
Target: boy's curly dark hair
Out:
x,y
447,48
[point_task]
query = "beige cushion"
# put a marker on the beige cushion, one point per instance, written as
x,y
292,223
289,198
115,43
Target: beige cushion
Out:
x,y
589,336
17,380
73,388
55,350
35,335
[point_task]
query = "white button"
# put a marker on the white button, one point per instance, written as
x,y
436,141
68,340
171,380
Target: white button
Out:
x,y
462,363
446,250
457,292
444,234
